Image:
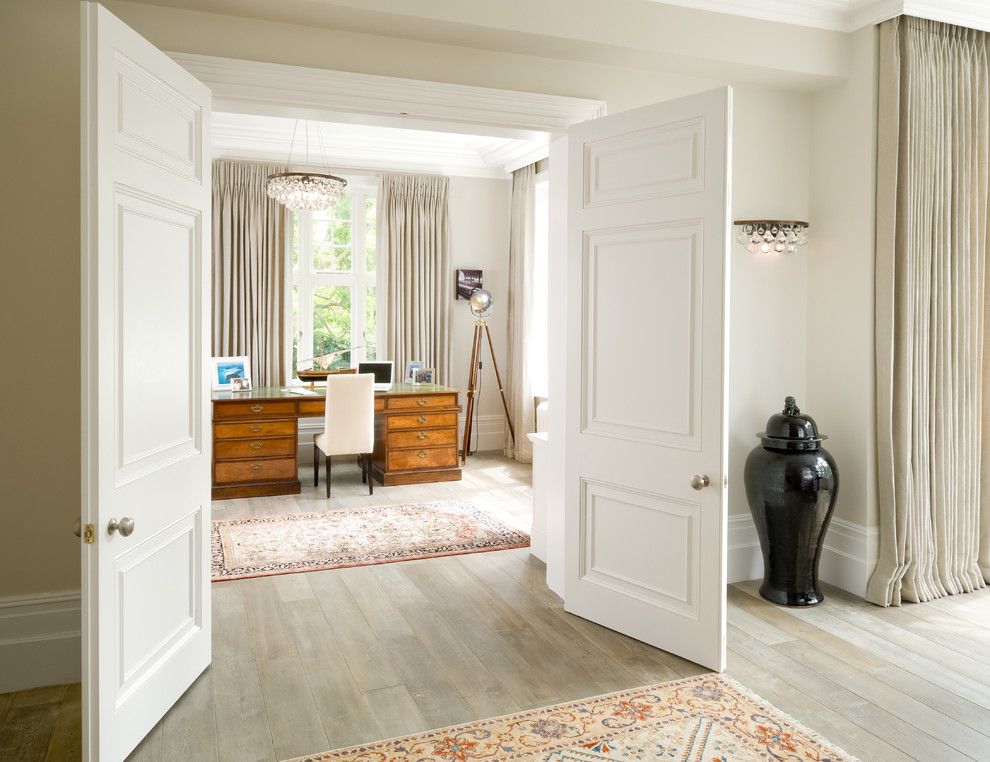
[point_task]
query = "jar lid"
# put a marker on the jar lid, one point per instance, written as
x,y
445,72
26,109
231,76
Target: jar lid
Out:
x,y
791,430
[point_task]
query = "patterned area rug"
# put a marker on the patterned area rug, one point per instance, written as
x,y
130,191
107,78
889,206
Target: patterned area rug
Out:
x,y
708,718
301,542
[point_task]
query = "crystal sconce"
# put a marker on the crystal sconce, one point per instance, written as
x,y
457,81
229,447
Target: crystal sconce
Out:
x,y
772,236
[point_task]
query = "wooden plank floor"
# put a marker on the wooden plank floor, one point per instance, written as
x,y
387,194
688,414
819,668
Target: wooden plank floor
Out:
x,y
307,662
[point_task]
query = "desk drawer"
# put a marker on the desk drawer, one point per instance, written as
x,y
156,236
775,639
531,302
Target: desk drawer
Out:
x,y
425,402
234,471
249,409
313,407
254,448
426,438
433,457
254,429
421,421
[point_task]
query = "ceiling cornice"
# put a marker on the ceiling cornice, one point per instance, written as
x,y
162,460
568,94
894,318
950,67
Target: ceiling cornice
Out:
x,y
847,15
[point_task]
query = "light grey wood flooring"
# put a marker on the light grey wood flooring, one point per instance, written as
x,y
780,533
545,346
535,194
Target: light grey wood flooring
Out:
x,y
307,662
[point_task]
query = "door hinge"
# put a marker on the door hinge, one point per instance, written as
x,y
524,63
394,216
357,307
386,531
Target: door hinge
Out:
x,y
89,534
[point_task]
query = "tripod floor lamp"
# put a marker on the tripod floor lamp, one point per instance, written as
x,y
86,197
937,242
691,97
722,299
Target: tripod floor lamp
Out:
x,y
481,304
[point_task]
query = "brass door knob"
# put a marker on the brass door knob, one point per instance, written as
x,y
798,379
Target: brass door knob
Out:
x,y
125,526
700,481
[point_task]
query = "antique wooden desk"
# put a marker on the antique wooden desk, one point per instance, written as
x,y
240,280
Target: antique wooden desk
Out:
x,y
255,435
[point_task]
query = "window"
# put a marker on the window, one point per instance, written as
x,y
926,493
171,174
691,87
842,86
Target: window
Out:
x,y
334,298
538,342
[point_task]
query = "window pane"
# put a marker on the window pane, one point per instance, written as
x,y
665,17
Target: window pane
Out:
x,y
296,331
342,210
296,240
370,231
332,323
342,233
331,259
370,323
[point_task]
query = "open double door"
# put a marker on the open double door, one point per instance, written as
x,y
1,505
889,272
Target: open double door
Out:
x,y
644,405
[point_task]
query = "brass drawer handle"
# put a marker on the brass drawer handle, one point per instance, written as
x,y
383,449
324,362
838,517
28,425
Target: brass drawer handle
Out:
x,y
421,402
256,445
255,428
256,466
422,419
421,435
422,453
257,408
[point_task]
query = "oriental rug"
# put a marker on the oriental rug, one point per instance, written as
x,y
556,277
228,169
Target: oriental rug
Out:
x,y
301,542
707,718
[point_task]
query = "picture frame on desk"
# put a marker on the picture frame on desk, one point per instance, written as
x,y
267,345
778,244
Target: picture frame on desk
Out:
x,y
424,376
223,371
411,367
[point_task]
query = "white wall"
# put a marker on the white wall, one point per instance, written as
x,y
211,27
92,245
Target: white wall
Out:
x,y
768,318
479,232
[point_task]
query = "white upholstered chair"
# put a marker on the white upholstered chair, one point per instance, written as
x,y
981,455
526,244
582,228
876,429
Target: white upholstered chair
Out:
x,y
350,425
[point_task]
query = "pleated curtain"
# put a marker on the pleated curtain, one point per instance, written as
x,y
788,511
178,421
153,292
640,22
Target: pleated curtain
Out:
x,y
414,232
932,356
519,387
249,269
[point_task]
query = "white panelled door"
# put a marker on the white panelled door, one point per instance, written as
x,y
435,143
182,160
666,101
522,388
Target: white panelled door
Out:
x,y
644,430
145,437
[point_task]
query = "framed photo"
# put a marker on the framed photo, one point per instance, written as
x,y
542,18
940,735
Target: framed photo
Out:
x,y
226,369
411,367
467,281
240,384
424,376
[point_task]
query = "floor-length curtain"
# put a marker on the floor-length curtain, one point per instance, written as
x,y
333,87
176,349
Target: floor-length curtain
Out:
x,y
249,269
519,389
414,233
932,224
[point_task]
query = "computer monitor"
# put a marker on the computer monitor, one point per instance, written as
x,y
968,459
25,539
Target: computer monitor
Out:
x,y
382,369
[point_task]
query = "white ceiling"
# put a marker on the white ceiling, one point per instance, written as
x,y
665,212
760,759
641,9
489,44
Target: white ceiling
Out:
x,y
846,15
370,148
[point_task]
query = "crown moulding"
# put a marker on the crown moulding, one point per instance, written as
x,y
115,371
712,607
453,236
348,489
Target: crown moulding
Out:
x,y
847,15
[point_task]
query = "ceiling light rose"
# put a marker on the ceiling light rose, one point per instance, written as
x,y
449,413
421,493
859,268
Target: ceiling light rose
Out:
x,y
772,236
305,191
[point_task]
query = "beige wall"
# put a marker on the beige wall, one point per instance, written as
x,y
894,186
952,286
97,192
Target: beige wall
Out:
x,y
39,295
840,278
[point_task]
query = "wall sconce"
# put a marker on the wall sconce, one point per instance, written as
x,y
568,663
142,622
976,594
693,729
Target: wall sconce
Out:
x,y
772,236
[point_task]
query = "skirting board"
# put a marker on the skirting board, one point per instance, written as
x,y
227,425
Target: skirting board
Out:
x,y
39,641
848,556
488,433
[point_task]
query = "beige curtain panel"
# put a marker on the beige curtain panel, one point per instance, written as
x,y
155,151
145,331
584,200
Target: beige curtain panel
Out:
x,y
414,233
249,269
519,388
931,301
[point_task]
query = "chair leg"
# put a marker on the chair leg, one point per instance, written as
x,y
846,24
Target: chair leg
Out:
x,y
316,466
328,476
371,478
364,468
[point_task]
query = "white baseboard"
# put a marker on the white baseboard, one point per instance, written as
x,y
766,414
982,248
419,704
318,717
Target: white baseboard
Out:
x,y
848,556
39,640
489,434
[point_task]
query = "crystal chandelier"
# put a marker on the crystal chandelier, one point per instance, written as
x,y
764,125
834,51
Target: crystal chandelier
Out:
x,y
309,191
772,236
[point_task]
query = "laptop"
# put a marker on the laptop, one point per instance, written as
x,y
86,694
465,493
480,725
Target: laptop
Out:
x,y
382,370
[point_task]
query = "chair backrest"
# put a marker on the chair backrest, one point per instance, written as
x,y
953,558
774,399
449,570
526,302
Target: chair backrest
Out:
x,y
350,418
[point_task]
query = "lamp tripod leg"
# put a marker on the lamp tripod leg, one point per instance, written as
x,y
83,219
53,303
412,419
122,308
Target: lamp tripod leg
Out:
x,y
471,391
501,391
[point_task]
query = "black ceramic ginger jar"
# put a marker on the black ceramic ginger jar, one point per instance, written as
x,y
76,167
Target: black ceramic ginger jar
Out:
x,y
791,485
